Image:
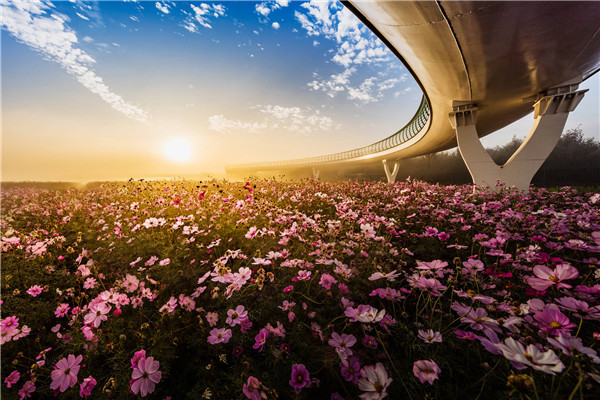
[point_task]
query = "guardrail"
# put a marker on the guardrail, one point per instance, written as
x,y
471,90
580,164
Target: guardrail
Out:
x,y
410,130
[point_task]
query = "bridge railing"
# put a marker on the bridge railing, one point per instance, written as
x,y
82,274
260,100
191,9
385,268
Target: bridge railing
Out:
x,y
409,131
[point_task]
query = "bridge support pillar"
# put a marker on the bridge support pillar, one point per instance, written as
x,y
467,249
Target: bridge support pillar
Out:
x,y
316,172
391,176
550,116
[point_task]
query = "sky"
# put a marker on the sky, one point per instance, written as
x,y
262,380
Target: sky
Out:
x,y
111,90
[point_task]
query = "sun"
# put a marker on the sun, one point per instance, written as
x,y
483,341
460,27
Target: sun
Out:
x,y
177,150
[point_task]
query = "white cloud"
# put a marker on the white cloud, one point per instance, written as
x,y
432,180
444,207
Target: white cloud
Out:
x,y
266,8
369,90
162,7
356,43
33,24
272,117
219,123
82,16
87,39
203,15
276,25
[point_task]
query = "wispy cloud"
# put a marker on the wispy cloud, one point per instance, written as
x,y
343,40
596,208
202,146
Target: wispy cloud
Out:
x,y
356,46
202,15
369,90
273,117
356,43
162,7
34,24
266,8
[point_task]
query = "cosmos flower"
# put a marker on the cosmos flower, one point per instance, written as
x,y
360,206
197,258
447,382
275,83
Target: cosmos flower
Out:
x,y
521,357
221,335
65,373
426,371
374,382
300,377
546,277
145,376
430,336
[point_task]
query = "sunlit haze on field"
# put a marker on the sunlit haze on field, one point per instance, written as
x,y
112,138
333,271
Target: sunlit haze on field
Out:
x,y
112,90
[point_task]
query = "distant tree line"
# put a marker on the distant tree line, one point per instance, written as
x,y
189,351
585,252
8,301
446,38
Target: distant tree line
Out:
x,y
575,161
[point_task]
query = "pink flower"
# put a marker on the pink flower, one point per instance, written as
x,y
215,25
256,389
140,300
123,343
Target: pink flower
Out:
x,y
342,344
34,290
300,377
97,314
164,262
426,371
326,281
545,277
27,389
62,310
235,317
212,318
553,322
219,336
12,378
65,373
288,289
85,389
260,339
430,336
374,382
137,356
252,389
89,283
145,376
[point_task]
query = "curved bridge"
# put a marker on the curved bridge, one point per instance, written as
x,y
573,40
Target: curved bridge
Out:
x,y
481,65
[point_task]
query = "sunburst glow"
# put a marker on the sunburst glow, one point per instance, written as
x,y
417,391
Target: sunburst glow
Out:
x,y
177,150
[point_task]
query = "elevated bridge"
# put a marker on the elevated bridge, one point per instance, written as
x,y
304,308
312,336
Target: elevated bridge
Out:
x,y
481,65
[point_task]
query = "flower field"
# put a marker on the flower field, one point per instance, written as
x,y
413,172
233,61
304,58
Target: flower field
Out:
x,y
299,290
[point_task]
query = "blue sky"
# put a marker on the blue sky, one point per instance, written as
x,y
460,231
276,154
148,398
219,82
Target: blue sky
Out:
x,y
95,90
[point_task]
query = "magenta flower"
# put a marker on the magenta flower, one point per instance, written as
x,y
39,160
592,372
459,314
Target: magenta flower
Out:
x,y
426,371
553,322
137,356
350,369
145,376
85,388
34,290
545,277
261,339
65,373
12,378
300,377
27,389
326,281
374,382
62,310
465,335
219,336
252,389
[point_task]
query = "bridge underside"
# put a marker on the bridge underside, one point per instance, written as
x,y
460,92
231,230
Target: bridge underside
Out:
x,y
498,59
